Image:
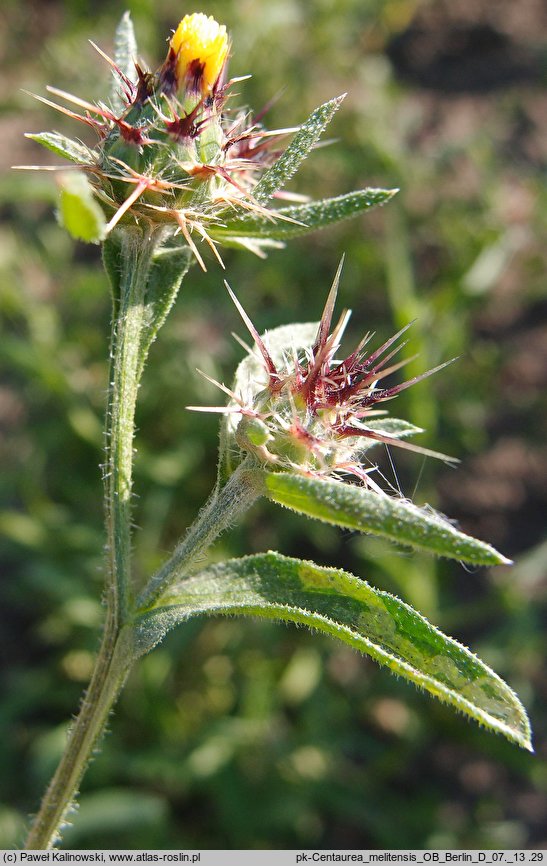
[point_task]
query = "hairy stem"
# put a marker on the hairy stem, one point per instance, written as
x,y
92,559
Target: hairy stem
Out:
x,y
117,652
115,656
111,669
220,511
126,366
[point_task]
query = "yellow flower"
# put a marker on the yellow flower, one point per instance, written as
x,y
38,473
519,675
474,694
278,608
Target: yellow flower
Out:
x,y
201,47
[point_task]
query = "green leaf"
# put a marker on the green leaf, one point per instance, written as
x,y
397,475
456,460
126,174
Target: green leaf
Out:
x,y
288,163
169,268
358,508
395,427
79,212
340,605
125,55
63,146
309,217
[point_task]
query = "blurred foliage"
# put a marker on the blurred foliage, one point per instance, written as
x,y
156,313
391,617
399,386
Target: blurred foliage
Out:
x,y
238,734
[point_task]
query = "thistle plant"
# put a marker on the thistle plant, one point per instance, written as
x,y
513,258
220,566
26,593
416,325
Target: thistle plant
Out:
x,y
176,174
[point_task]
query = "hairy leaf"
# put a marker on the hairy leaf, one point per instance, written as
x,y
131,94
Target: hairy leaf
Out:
x,y
288,163
309,217
395,427
168,270
397,519
69,149
169,267
125,55
78,211
337,603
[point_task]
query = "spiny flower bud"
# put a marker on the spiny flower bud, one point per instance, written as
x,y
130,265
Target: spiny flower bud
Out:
x,y
199,48
174,156
297,407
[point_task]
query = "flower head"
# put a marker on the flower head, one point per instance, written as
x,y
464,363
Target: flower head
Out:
x,y
174,156
169,151
198,49
297,407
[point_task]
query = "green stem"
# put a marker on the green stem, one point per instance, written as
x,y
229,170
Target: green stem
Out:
x,y
220,511
111,669
117,652
115,655
136,259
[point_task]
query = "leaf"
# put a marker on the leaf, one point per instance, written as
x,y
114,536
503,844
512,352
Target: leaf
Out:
x,y
288,163
125,55
309,217
358,508
340,605
63,146
169,268
79,212
392,427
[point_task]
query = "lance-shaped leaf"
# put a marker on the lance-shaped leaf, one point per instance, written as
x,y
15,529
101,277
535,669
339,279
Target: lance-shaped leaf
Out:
x,y
168,270
307,136
169,267
308,217
397,519
340,605
79,211
74,151
125,55
396,427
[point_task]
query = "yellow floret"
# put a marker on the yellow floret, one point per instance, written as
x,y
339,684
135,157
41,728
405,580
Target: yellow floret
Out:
x,y
201,46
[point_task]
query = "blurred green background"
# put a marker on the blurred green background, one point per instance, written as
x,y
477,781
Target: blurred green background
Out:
x,y
242,734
